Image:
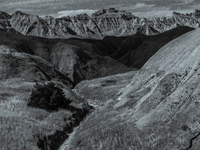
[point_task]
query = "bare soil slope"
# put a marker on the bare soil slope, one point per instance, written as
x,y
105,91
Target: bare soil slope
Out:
x,y
75,58
98,91
159,109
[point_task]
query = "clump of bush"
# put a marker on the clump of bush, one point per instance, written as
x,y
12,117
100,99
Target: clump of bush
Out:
x,y
48,96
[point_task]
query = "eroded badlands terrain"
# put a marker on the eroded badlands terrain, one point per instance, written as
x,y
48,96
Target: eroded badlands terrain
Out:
x,y
133,82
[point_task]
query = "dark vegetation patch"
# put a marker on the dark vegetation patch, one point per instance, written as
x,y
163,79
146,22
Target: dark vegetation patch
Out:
x,y
51,98
48,97
53,142
185,127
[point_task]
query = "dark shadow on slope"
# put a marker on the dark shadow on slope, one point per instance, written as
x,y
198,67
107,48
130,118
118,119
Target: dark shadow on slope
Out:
x,y
53,142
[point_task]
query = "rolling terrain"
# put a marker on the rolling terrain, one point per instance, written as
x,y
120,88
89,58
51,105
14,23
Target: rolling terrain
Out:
x,y
24,127
103,88
141,76
135,50
84,59
75,58
159,109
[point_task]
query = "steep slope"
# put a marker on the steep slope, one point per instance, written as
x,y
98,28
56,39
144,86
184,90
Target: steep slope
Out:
x,y
31,25
98,91
136,50
105,22
24,127
159,109
31,68
5,23
75,58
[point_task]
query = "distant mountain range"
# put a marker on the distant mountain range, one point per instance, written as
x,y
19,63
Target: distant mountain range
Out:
x,y
105,22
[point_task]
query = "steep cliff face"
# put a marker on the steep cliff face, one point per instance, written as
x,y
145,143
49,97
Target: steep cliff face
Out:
x,y
105,22
31,25
5,23
4,15
165,23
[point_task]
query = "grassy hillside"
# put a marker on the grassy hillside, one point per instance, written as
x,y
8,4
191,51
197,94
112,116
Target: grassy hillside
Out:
x,y
98,91
148,114
159,109
24,127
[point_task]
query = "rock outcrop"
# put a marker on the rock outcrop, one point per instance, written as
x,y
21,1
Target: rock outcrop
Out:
x,y
105,22
5,23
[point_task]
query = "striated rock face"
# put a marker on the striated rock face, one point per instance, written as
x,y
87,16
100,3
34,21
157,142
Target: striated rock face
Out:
x,y
28,67
105,22
69,59
159,109
31,25
5,23
76,59
4,15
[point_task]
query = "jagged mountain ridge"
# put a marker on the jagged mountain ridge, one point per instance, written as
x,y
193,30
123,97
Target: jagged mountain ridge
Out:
x,y
105,22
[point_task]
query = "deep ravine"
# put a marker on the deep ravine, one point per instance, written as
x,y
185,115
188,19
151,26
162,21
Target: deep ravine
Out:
x,y
54,141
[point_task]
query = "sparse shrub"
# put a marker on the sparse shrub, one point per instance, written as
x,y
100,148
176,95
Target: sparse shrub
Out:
x,y
185,127
48,97
197,13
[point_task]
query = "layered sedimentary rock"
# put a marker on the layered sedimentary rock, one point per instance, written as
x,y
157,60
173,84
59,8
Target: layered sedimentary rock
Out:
x,y
105,22
14,64
5,23
74,58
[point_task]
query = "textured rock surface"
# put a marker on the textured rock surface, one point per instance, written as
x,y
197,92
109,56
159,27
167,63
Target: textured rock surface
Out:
x,y
5,23
75,58
100,24
31,68
159,109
